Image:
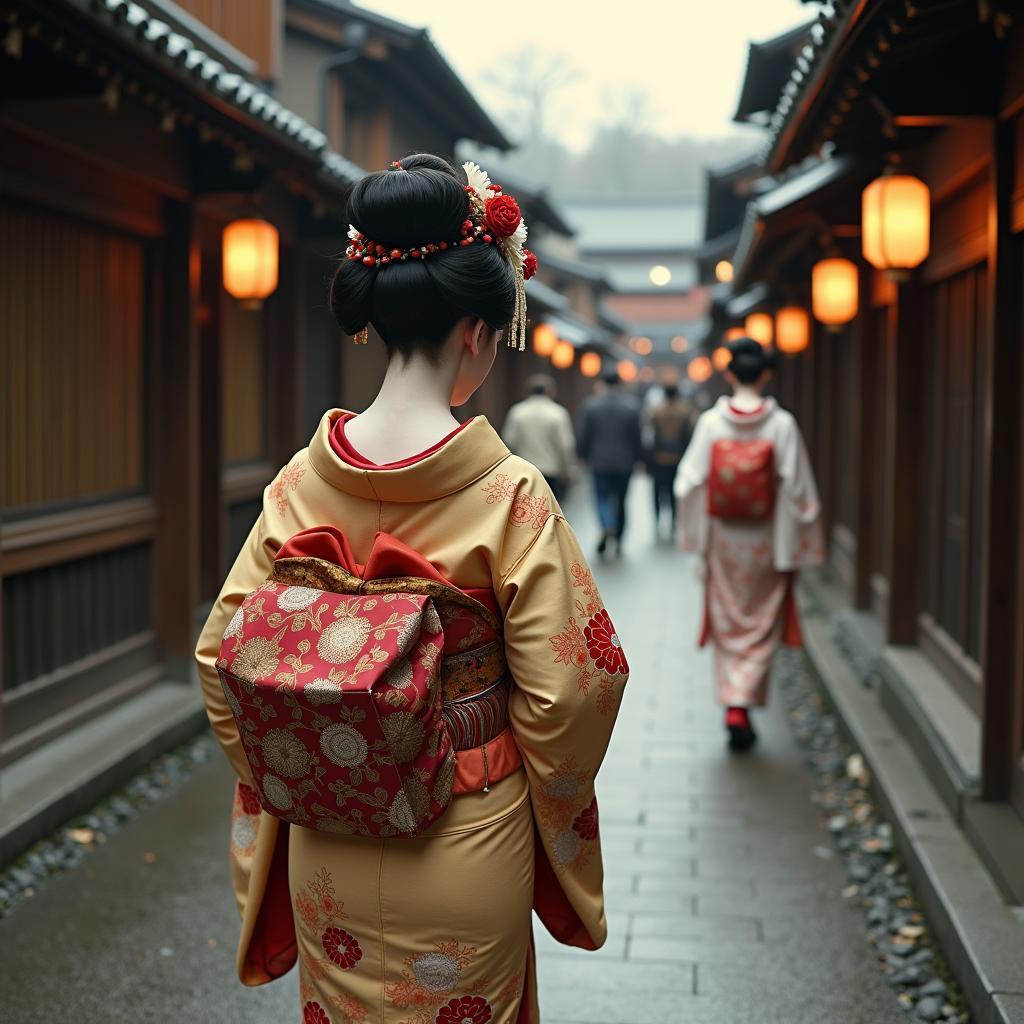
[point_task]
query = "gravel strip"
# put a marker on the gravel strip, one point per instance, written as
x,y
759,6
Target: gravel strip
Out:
x,y
878,882
73,842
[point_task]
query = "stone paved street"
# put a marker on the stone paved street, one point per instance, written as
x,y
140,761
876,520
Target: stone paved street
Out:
x,y
723,890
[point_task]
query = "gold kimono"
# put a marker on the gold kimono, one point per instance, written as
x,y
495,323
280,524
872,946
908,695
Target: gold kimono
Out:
x,y
436,929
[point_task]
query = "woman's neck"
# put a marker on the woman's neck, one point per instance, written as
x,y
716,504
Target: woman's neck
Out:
x,y
411,412
746,398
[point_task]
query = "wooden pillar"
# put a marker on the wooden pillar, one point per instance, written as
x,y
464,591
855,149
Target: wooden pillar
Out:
x,y
866,413
1000,473
905,467
175,438
285,325
211,405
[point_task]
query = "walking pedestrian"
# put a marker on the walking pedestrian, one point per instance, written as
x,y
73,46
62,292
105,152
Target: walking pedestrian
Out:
x,y
409,665
671,423
539,430
609,439
748,503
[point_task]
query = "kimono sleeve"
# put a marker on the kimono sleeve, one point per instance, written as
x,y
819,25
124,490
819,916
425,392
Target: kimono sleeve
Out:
x,y
251,568
690,489
569,670
799,539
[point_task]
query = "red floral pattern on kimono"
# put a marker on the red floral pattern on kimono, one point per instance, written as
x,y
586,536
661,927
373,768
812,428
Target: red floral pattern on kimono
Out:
x,y
430,980
527,510
321,913
594,647
566,806
287,480
465,1010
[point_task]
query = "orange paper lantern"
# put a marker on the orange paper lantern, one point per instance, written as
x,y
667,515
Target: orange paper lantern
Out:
x,y
249,253
834,291
735,332
679,343
896,222
759,326
544,340
721,358
564,355
792,329
627,370
590,364
723,271
699,369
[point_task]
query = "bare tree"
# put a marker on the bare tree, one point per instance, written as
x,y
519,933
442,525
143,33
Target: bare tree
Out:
x,y
530,79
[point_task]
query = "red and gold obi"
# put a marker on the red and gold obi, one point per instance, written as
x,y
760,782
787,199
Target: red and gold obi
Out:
x,y
366,695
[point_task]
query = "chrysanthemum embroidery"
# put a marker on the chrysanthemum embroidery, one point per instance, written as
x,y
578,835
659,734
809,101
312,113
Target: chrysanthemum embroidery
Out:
x,y
435,979
527,510
287,480
322,913
501,488
592,649
568,811
245,821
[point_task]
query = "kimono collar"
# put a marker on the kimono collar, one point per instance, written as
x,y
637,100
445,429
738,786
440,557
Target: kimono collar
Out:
x,y
462,460
759,415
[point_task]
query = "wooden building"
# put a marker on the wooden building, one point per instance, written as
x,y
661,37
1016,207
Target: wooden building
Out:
x,y
911,407
144,409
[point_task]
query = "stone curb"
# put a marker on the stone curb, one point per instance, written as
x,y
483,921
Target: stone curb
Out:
x,y
981,938
101,768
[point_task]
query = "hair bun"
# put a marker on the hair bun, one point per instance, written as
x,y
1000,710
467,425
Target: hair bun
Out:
x,y
422,201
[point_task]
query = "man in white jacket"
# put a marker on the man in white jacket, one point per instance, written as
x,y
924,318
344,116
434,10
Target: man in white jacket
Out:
x,y
539,430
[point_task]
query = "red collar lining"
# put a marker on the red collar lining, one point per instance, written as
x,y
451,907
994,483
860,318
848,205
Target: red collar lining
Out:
x,y
348,453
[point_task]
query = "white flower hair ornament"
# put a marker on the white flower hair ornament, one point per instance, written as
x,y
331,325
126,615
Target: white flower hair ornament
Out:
x,y
492,218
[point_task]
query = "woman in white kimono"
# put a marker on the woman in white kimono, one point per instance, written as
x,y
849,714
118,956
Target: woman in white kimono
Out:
x,y
748,503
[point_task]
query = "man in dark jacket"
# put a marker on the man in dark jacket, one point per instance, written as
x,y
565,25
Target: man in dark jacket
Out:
x,y
609,439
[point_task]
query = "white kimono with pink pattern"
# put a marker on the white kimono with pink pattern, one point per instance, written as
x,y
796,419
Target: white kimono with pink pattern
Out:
x,y
750,566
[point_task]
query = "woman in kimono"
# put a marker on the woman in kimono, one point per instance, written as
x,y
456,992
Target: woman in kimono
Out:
x,y
434,928
749,505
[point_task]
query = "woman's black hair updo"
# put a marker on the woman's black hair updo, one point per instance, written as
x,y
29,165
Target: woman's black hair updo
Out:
x,y
415,304
750,359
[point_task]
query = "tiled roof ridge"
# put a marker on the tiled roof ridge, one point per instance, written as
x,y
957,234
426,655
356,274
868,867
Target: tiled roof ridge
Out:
x,y
230,86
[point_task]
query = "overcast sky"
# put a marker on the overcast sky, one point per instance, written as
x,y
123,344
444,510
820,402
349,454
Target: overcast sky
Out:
x,y
687,55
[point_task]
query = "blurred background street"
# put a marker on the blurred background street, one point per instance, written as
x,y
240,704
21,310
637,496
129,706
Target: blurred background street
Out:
x,y
840,181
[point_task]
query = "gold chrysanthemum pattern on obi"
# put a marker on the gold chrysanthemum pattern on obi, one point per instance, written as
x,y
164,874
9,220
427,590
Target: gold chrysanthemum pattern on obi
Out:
x,y
338,704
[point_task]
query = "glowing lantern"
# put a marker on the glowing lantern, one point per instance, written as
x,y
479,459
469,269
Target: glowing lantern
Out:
x,y
564,355
699,369
642,346
834,291
896,222
721,358
679,343
544,340
792,329
590,364
723,271
647,374
759,326
627,370
249,255
735,332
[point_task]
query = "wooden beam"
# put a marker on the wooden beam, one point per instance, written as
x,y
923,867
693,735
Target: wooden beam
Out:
x,y
1001,646
175,426
905,469
867,410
